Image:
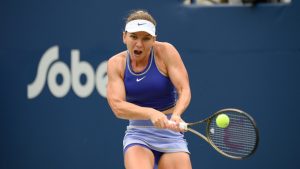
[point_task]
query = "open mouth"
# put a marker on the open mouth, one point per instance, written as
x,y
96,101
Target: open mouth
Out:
x,y
137,52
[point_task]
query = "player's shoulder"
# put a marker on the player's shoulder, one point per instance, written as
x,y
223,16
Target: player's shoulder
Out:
x,y
163,46
117,62
118,58
164,50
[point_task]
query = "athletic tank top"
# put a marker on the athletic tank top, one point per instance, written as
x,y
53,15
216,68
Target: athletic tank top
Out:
x,y
149,88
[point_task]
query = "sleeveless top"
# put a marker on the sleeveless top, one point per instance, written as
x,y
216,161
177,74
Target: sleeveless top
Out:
x,y
149,88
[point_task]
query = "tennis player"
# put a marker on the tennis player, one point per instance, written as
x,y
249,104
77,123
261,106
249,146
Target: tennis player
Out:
x,y
148,85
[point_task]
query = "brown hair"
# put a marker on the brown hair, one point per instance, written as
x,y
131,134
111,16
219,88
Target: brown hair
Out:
x,y
140,14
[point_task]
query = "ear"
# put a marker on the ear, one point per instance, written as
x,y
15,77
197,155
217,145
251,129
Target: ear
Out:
x,y
124,37
154,38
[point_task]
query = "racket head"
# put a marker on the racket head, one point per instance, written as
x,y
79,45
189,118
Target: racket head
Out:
x,y
239,139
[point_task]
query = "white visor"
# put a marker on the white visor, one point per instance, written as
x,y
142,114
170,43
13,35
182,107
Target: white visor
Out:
x,y
140,25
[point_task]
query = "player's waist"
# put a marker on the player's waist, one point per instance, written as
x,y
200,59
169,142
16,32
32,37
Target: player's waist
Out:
x,y
152,132
141,123
157,104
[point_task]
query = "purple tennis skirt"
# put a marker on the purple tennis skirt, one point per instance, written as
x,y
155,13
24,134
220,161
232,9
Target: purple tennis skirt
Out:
x,y
162,140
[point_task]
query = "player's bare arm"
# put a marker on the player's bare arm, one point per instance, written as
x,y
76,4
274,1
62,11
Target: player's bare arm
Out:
x,y
179,77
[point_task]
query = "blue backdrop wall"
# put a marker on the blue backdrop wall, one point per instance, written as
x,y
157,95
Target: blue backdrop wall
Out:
x,y
53,111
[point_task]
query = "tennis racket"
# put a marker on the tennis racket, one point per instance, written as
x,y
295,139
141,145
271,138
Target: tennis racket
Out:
x,y
237,141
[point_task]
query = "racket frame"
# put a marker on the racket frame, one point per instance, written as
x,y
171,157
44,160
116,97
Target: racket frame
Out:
x,y
208,139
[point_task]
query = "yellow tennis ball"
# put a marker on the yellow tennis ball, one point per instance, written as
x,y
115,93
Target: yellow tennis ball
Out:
x,y
222,121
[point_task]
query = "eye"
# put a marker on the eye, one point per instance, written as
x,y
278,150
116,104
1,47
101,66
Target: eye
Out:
x,y
146,38
133,36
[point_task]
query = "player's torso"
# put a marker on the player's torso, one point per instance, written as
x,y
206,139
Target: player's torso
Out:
x,y
150,87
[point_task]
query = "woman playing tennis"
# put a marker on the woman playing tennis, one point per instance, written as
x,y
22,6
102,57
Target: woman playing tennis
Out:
x,y
148,85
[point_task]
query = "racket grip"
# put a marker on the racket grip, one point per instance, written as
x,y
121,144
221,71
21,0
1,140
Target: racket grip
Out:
x,y
182,125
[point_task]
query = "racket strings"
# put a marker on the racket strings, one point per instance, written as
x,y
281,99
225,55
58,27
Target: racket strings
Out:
x,y
238,139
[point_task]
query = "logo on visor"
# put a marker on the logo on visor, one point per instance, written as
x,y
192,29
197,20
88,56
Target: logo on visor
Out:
x,y
140,24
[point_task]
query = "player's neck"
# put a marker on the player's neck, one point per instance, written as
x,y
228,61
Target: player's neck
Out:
x,y
139,63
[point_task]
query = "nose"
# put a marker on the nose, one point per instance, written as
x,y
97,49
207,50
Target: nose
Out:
x,y
139,43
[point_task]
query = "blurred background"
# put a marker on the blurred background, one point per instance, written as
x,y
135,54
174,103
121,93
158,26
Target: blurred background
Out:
x,y
53,110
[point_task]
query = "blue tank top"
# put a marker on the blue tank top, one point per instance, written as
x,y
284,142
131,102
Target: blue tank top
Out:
x,y
149,88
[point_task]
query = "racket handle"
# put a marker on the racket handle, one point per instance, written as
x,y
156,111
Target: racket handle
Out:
x,y
182,125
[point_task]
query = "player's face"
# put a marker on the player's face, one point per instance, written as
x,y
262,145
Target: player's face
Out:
x,y
138,43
